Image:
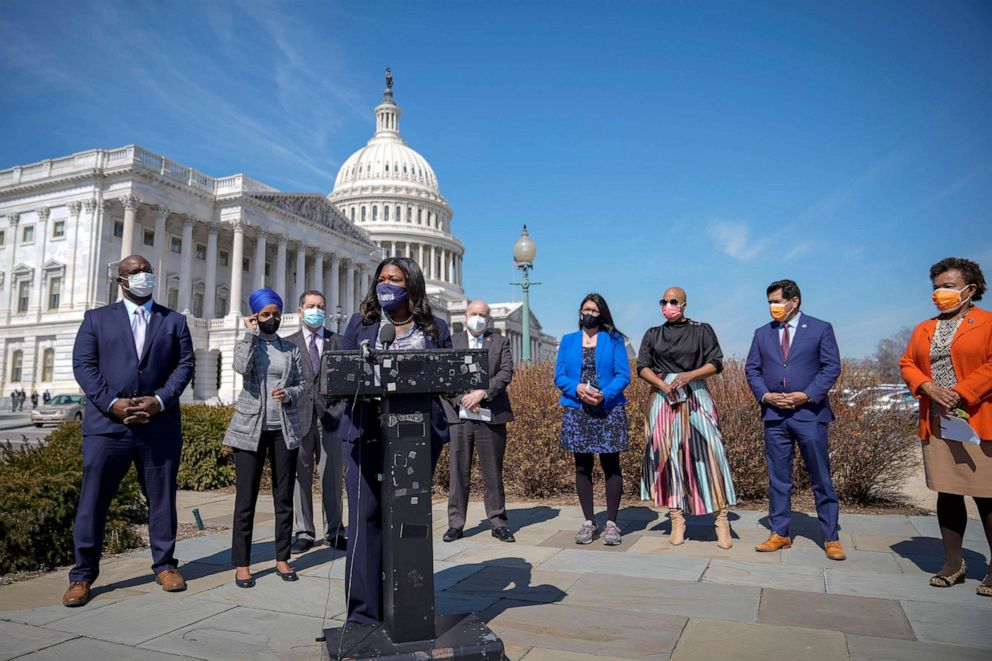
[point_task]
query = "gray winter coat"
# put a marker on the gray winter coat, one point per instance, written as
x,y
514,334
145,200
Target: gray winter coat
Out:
x,y
246,425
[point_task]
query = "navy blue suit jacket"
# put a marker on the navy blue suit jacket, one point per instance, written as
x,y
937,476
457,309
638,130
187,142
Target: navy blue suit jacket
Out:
x,y
812,367
352,425
107,367
612,368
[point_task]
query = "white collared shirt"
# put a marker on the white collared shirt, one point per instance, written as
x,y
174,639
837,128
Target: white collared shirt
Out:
x,y
793,325
131,308
475,342
319,335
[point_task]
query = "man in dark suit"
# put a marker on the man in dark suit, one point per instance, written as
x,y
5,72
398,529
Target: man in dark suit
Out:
x,y
487,437
320,420
132,359
792,364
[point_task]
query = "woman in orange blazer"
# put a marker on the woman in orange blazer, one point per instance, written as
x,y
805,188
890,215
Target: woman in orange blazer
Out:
x,y
948,365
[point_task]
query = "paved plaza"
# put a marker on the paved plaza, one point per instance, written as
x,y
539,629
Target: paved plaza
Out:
x,y
544,596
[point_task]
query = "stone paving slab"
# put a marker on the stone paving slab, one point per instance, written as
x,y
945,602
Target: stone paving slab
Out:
x,y
711,639
926,526
44,615
520,585
306,596
565,539
741,551
676,598
88,649
542,654
867,648
637,565
511,554
877,524
905,587
927,566
18,639
783,577
882,618
452,603
881,563
134,621
215,549
590,630
245,633
951,623
444,550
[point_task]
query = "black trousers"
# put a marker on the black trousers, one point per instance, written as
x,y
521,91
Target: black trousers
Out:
x,y
248,471
490,442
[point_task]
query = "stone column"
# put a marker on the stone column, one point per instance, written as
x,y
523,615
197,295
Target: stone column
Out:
x,y
301,270
348,299
12,220
130,204
237,256
186,266
428,263
210,284
449,270
360,287
280,282
41,239
159,252
420,258
258,281
70,290
317,271
332,288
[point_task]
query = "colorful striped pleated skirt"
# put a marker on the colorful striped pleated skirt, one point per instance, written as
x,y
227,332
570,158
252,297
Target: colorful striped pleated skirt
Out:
x,y
685,465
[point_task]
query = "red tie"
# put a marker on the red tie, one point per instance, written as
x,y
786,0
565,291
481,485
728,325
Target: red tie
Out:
x,y
785,342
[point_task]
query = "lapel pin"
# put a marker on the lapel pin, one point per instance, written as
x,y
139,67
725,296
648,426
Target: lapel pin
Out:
x,y
971,320
803,326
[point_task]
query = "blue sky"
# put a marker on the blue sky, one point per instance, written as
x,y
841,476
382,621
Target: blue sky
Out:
x,y
717,146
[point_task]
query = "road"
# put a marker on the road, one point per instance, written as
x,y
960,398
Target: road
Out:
x,y
28,434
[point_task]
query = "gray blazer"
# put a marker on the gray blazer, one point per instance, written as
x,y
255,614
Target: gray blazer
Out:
x,y
328,411
500,375
246,424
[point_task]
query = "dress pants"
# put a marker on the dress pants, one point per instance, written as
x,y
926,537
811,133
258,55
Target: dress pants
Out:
x,y
106,460
326,447
248,466
490,442
363,567
811,436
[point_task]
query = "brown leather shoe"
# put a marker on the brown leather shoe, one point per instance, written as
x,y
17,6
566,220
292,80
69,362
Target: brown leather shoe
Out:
x,y
171,580
774,542
78,594
834,550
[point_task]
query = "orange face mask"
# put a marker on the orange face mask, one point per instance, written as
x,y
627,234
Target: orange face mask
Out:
x,y
948,300
779,311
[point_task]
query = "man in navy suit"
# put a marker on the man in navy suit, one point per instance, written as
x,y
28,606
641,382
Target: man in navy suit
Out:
x,y
792,364
133,359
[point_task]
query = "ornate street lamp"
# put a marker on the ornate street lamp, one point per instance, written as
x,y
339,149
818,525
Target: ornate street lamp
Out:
x,y
524,252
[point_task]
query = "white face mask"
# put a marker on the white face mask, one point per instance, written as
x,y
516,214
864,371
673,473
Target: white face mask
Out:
x,y
141,284
476,323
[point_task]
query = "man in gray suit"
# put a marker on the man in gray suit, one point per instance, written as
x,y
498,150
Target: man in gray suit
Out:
x,y
319,424
487,437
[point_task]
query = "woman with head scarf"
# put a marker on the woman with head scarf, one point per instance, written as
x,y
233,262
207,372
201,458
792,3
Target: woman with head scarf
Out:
x,y
265,421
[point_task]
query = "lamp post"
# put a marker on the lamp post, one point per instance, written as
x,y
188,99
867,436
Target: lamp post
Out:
x,y
524,252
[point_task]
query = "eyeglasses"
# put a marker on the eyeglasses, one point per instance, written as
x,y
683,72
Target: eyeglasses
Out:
x,y
674,301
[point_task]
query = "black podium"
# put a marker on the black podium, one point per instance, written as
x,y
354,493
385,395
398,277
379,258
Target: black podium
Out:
x,y
406,382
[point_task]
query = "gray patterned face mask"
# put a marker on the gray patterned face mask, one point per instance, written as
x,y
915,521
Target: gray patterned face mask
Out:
x,y
141,284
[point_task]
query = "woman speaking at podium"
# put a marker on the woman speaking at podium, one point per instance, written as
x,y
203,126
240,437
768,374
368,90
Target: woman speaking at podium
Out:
x,y
397,298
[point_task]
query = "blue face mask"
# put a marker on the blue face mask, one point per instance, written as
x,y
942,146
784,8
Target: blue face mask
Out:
x,y
391,297
313,317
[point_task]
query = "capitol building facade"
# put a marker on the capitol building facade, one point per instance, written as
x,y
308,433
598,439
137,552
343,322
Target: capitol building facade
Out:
x,y
66,223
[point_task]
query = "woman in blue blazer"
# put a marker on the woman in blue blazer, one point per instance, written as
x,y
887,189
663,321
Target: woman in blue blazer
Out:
x,y
398,296
592,372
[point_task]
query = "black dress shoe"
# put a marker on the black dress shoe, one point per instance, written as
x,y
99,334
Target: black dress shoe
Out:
x,y
452,534
289,576
339,542
503,534
245,582
301,545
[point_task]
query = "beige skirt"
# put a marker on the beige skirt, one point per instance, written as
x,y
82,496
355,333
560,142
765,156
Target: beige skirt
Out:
x,y
959,468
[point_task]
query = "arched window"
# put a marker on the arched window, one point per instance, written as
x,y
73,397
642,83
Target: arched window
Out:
x,y
375,213
387,170
353,214
363,213
419,218
16,366
409,214
385,210
399,215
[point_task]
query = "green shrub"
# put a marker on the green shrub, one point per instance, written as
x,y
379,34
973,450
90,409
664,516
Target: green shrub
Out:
x,y
39,491
206,463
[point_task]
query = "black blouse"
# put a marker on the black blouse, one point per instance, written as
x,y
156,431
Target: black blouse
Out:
x,y
679,347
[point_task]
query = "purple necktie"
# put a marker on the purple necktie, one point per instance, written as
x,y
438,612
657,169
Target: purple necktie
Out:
x,y
786,344
314,355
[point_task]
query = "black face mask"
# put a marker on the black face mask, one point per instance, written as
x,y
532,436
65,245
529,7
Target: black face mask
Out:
x,y
589,321
269,326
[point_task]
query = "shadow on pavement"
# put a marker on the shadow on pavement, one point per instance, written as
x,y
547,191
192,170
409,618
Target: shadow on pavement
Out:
x,y
927,553
507,580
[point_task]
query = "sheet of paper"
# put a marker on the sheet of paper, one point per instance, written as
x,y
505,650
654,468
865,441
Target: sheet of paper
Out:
x,y
953,428
484,415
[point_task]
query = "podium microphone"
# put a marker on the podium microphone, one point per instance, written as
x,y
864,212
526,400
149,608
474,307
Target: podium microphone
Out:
x,y
387,334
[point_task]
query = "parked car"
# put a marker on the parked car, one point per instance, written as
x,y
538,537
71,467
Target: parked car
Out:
x,y
899,400
59,409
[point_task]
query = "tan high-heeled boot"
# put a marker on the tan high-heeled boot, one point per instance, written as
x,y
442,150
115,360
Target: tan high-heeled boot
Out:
x,y
678,527
723,539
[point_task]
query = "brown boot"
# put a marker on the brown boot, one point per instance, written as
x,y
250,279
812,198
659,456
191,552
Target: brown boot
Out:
x,y
834,550
171,580
78,594
774,543
678,527
723,539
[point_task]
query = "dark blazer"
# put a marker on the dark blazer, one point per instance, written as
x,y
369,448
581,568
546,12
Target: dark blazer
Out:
x,y
612,369
500,375
364,419
813,367
107,367
328,411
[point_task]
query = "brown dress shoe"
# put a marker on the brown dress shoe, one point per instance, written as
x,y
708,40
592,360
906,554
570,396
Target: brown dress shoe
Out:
x,y
171,580
774,542
834,551
78,594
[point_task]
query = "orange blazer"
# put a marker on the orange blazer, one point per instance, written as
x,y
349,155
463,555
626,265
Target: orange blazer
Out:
x,y
971,354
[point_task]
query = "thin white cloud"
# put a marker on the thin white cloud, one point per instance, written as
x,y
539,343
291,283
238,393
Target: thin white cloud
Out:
x,y
735,238
798,250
